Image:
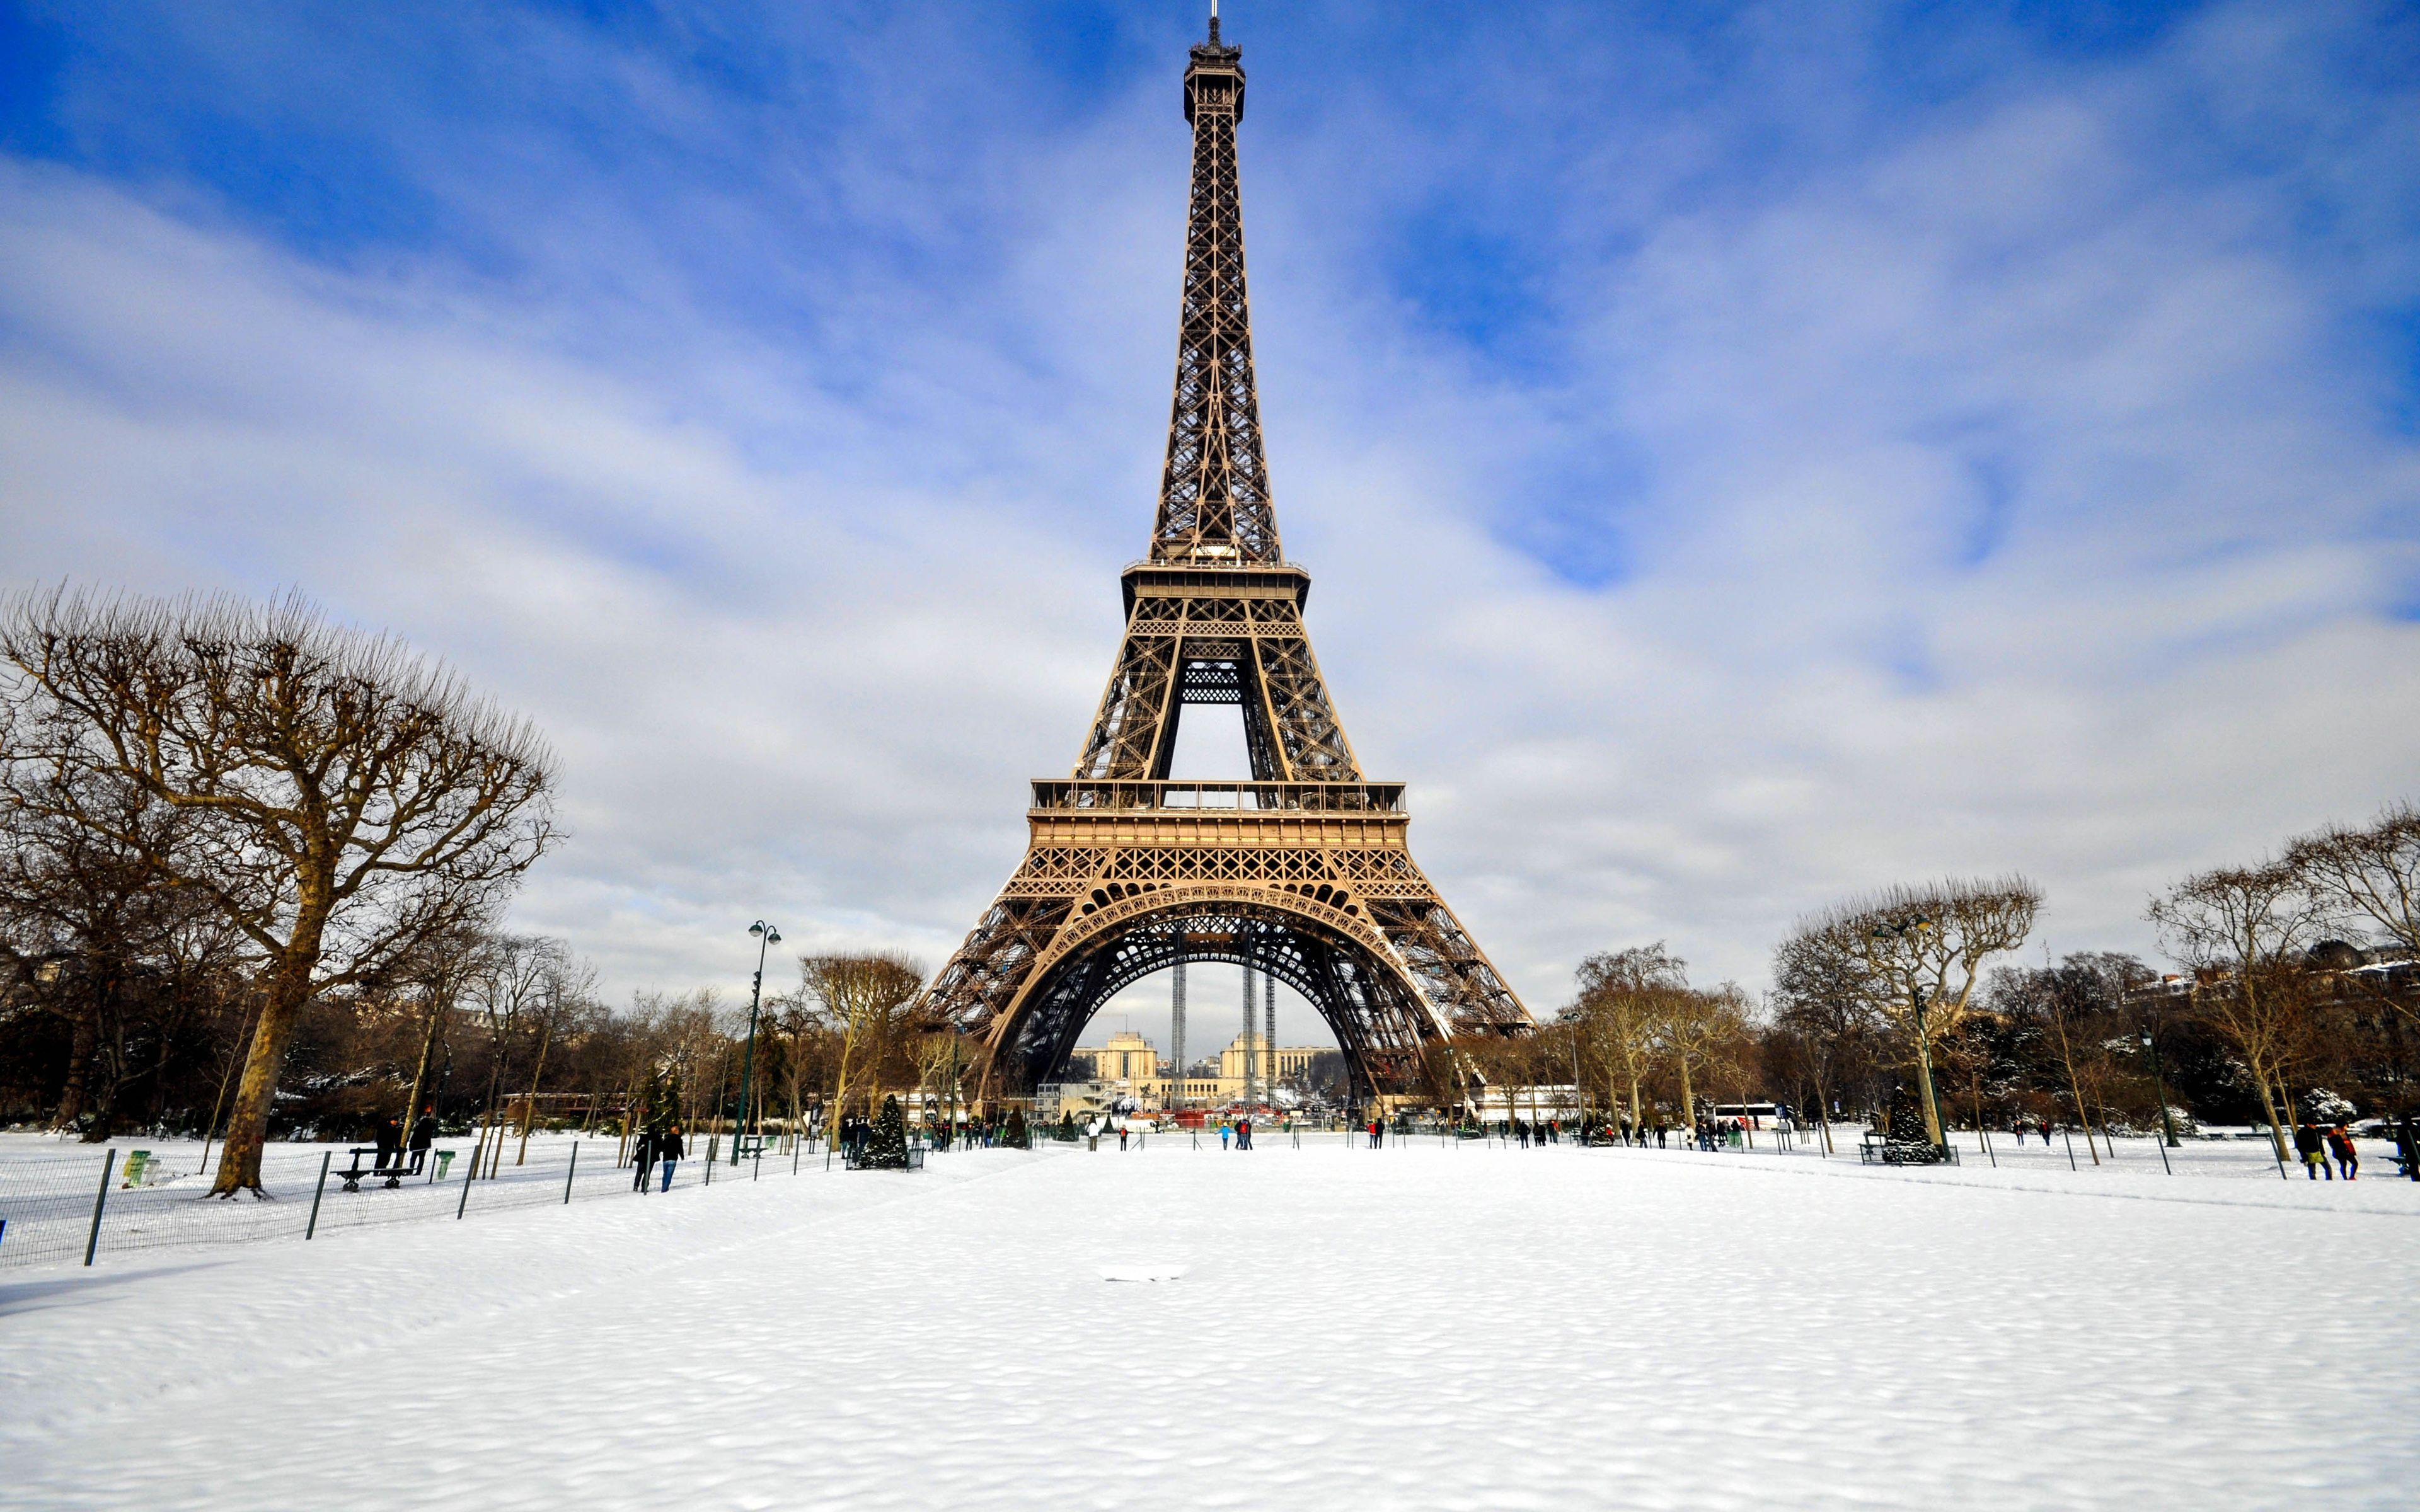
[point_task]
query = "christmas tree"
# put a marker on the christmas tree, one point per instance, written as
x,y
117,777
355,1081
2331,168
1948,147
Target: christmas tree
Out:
x,y
1904,1141
886,1143
1016,1137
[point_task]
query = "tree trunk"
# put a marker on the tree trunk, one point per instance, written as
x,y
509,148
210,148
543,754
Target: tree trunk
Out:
x,y
2075,1087
1924,1078
2270,1110
83,1042
420,1072
290,988
529,1109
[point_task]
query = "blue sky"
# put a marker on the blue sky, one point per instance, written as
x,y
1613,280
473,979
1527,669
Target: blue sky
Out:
x,y
1748,454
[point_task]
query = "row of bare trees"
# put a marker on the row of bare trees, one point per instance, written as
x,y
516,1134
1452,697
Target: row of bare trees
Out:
x,y
2294,997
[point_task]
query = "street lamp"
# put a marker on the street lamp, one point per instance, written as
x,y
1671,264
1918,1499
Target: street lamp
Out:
x,y
767,937
1899,930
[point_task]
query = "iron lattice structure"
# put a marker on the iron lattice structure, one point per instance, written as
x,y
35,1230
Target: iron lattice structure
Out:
x,y
1304,872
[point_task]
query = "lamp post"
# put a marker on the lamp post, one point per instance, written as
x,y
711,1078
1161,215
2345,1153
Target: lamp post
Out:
x,y
767,937
1899,930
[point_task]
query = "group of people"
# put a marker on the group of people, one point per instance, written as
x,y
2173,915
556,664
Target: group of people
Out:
x,y
1240,1131
2315,1142
392,1145
659,1147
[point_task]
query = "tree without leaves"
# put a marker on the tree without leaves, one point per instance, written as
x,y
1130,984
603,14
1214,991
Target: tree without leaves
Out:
x,y
1825,1001
1916,954
92,933
2369,879
1624,996
2241,931
864,999
343,798
1701,1031
2075,1013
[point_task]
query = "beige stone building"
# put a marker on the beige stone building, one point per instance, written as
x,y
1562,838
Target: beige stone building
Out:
x,y
1133,1060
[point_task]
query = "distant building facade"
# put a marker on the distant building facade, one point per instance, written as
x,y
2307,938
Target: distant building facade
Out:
x,y
1132,1064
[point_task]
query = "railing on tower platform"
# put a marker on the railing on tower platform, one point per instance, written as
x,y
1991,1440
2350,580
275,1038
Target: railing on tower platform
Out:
x,y
1189,797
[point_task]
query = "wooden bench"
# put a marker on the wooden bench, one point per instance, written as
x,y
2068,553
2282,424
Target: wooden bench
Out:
x,y
1875,1150
393,1173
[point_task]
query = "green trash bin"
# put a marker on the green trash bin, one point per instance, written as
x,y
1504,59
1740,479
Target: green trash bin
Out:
x,y
444,1159
137,1161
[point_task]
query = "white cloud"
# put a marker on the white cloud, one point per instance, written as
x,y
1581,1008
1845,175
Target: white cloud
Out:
x,y
2008,492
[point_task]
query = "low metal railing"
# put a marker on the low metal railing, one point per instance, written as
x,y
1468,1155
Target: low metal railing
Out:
x,y
1345,798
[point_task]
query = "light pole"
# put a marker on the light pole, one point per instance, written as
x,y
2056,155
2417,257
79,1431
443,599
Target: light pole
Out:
x,y
767,937
1899,930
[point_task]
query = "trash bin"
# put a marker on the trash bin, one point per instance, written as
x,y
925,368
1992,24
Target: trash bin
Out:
x,y
445,1158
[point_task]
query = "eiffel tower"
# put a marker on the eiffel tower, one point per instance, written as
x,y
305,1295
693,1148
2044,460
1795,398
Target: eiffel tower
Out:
x,y
1304,873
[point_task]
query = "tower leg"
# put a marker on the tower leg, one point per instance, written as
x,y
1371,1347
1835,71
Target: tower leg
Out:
x,y
1251,1064
1269,1037
1175,1097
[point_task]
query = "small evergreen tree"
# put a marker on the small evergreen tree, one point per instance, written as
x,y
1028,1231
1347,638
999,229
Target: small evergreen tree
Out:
x,y
1904,1139
1016,1137
886,1143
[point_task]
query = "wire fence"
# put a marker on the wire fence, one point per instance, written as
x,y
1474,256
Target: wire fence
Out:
x,y
76,1204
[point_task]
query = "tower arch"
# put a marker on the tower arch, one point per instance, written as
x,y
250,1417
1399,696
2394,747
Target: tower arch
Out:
x,y
1340,964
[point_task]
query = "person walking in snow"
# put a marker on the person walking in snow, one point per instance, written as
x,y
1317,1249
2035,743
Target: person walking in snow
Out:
x,y
1122,1138
390,1142
424,1133
2313,1150
2041,1127
2347,1158
669,1152
642,1160
1225,1133
1244,1134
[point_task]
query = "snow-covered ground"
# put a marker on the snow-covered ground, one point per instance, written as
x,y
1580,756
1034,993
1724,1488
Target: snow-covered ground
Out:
x,y
1470,1328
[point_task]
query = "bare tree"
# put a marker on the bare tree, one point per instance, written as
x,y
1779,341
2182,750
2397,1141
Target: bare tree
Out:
x,y
2242,932
864,1000
1828,1003
1702,1030
343,798
2368,878
1918,952
1624,996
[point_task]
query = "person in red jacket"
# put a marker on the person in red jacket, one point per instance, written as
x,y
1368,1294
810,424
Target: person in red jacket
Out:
x,y
2347,1158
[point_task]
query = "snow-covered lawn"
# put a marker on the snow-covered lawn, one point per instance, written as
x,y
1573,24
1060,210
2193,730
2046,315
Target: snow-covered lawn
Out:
x,y
1459,1327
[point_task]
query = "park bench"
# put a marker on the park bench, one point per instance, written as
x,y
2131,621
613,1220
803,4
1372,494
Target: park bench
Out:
x,y
855,1160
352,1175
1876,1151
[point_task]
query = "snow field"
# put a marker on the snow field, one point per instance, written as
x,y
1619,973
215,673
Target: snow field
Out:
x,y
1469,1328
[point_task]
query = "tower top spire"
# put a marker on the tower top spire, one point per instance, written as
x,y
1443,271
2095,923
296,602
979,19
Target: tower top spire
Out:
x,y
1213,496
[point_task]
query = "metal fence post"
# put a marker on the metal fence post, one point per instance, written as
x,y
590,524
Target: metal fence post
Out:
x,y
468,1172
319,1191
571,1172
100,1200
758,1174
